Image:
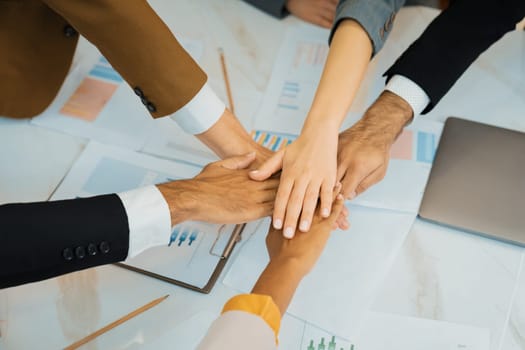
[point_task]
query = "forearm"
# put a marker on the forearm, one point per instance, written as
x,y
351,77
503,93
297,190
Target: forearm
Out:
x,y
228,137
345,67
279,281
180,199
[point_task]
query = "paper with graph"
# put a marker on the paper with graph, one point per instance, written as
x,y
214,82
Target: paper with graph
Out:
x,y
385,331
339,290
194,248
96,103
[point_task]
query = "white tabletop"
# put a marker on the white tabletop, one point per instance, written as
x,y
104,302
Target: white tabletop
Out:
x,y
440,274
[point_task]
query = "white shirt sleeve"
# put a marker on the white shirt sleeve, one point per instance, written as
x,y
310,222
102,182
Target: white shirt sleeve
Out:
x,y
201,113
149,218
409,91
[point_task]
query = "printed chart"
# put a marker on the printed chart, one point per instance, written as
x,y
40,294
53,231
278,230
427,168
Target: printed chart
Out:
x,y
96,103
93,93
413,145
272,140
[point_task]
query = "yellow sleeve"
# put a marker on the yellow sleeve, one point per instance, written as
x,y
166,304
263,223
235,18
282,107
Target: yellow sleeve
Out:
x,y
257,304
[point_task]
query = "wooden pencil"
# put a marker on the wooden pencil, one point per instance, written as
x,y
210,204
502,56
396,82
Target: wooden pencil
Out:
x,y
116,323
226,80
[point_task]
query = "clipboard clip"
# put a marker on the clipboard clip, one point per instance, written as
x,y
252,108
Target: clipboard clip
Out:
x,y
235,237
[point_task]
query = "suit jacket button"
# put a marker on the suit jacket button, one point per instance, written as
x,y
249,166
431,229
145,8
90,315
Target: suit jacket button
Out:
x,y
69,31
92,249
80,252
151,107
104,247
144,101
67,254
138,92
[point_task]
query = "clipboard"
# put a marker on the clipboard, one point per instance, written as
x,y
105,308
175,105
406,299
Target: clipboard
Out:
x,y
225,240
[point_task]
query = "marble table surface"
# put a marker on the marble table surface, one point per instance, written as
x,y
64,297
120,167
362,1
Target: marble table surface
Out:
x,y
439,274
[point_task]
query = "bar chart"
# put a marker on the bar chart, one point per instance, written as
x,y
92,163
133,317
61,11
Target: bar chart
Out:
x,y
331,345
419,146
272,140
93,93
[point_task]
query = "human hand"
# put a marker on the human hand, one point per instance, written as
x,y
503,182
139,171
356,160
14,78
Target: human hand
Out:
x,y
221,193
309,172
320,12
292,259
263,154
364,149
304,250
228,138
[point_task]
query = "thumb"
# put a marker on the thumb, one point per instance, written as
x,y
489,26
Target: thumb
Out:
x,y
270,167
238,162
350,181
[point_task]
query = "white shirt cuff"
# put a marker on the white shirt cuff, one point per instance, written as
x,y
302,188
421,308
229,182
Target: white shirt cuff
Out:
x,y
410,92
201,113
149,219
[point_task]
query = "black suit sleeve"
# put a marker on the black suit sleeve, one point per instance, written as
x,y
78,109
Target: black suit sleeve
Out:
x,y
455,38
47,239
275,8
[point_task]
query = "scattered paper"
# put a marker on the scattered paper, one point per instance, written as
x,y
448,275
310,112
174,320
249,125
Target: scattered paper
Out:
x,y
339,290
96,103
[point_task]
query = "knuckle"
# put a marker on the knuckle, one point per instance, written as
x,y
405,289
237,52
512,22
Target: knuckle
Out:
x,y
361,188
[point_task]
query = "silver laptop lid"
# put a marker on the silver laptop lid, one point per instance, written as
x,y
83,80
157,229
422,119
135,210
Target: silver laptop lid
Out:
x,y
477,181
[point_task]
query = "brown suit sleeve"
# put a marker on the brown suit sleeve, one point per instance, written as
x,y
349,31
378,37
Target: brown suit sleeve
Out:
x,y
140,47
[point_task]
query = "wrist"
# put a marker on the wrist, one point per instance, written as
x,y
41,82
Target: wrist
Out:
x,y
227,137
181,199
279,280
320,121
387,116
292,268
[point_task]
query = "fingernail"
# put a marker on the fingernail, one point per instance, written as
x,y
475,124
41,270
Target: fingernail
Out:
x,y
254,171
304,226
277,224
288,232
326,212
352,195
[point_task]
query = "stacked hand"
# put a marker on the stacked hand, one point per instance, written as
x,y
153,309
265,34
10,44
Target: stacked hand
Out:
x,y
364,149
320,12
221,193
292,259
304,249
308,173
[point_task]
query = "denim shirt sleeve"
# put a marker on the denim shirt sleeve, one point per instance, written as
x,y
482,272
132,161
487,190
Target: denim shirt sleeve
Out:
x,y
375,16
275,8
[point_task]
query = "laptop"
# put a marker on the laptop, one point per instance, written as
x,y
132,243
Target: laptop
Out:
x,y
477,181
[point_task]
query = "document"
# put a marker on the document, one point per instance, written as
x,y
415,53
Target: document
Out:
x,y
186,335
96,103
339,290
194,249
385,331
